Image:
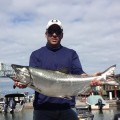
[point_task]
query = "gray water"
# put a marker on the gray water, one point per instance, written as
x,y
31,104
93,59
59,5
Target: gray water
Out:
x,y
28,115
106,114
23,115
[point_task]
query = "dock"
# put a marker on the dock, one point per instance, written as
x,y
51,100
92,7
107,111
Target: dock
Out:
x,y
112,103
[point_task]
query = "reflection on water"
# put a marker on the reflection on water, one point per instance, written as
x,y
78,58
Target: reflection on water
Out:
x,y
105,114
28,115
23,115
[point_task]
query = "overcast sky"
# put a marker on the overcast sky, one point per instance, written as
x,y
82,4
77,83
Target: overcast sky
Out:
x,y
91,27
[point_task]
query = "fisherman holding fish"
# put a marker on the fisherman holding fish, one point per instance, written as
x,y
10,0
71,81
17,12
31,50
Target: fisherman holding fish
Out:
x,y
55,57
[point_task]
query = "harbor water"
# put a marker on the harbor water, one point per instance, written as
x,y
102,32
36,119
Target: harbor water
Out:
x,y
27,114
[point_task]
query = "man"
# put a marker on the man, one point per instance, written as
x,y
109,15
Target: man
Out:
x,y
54,56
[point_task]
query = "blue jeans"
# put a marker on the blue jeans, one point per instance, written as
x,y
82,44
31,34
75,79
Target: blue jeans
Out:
x,y
69,114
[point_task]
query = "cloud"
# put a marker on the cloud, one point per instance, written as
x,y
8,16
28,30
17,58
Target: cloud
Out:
x,y
92,28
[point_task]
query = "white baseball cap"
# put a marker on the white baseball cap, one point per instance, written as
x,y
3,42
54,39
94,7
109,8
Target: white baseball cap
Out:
x,y
54,22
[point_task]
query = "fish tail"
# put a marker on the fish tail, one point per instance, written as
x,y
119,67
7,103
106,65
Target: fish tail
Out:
x,y
109,72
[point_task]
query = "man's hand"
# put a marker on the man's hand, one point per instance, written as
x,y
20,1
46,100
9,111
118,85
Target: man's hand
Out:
x,y
18,84
96,82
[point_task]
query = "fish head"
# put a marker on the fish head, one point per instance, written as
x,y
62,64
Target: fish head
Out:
x,y
22,73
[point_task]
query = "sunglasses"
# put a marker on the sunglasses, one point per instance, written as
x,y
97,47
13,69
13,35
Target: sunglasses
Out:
x,y
56,31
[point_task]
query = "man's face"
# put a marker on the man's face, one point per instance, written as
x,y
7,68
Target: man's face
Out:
x,y
54,34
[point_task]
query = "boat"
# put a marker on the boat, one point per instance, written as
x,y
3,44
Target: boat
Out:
x,y
84,113
83,107
13,103
96,102
85,116
1,103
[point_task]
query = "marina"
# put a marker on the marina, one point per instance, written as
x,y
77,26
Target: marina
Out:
x,y
82,107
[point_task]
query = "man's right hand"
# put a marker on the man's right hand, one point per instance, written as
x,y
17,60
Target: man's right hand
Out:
x,y
95,83
18,84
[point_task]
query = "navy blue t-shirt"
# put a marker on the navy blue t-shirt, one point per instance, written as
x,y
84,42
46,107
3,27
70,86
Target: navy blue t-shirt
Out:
x,y
55,59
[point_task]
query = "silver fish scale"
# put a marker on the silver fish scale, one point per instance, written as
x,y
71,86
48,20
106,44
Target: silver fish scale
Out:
x,y
57,84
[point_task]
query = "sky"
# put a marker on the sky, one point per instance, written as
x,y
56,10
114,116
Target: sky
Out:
x,y
91,28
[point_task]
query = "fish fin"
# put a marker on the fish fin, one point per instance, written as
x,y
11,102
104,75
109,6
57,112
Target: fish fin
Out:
x,y
64,70
109,72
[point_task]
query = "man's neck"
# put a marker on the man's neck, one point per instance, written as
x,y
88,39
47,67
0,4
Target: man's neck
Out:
x,y
53,47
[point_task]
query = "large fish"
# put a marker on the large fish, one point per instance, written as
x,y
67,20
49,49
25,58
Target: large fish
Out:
x,y
58,84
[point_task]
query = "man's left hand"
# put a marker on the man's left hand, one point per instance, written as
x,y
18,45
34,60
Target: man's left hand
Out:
x,y
96,82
